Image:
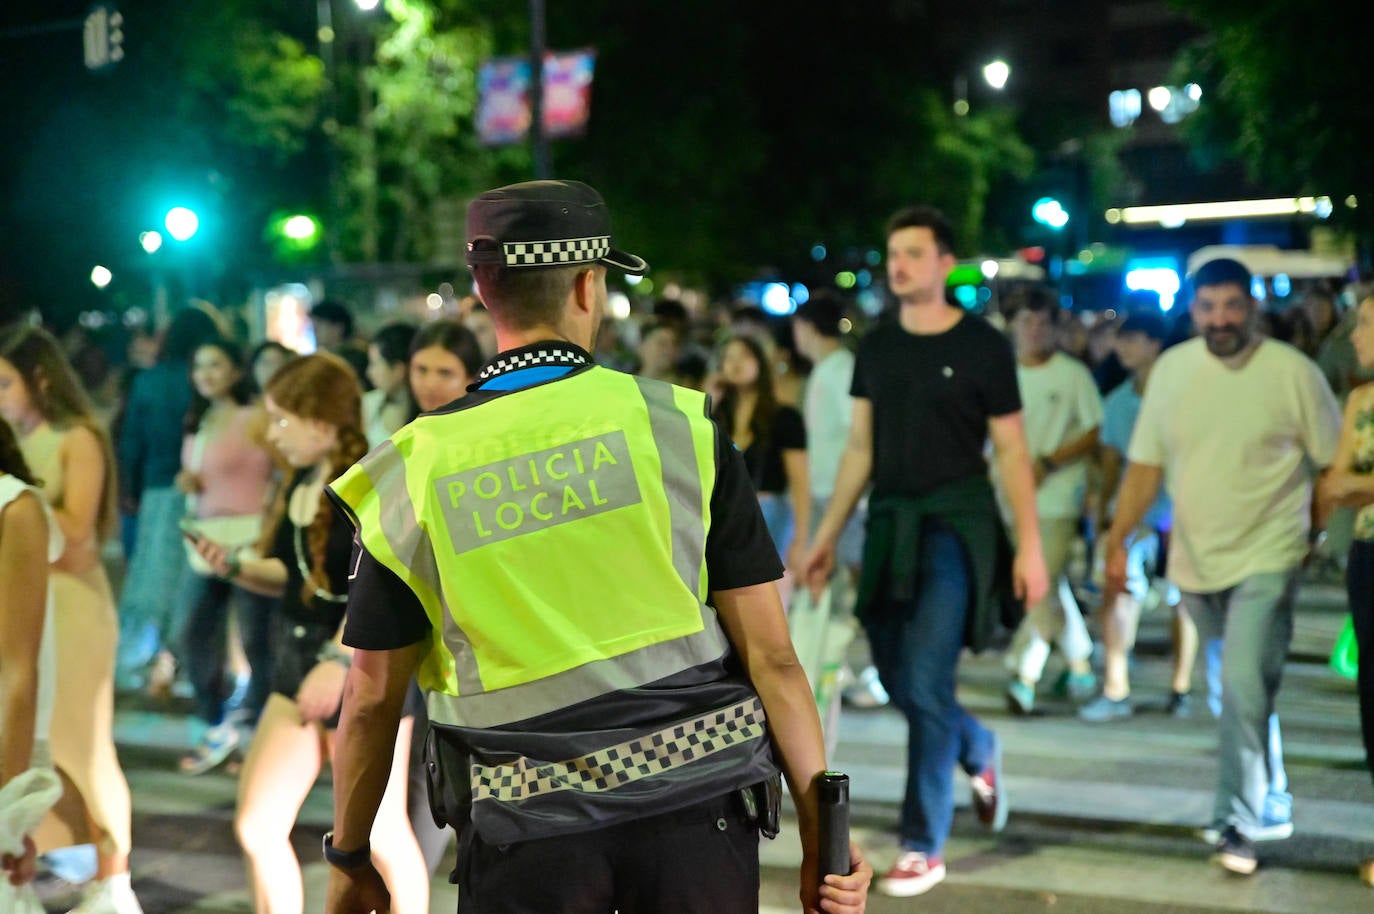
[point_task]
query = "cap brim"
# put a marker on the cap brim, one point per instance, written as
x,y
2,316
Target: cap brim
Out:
x,y
629,263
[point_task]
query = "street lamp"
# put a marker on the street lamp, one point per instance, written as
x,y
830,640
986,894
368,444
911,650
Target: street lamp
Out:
x,y
995,74
101,276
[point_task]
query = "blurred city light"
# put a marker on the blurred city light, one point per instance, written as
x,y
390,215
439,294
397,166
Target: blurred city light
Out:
x,y
1283,285
990,268
434,301
1155,274
846,280
1124,107
1175,214
367,6
150,241
1159,97
181,223
777,299
300,228
1193,91
633,280
996,73
800,293
1049,211
818,252
618,303
101,276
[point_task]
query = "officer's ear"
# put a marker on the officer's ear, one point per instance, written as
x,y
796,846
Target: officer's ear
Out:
x,y
584,290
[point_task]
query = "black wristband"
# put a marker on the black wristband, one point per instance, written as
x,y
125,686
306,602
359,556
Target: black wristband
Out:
x,y
346,860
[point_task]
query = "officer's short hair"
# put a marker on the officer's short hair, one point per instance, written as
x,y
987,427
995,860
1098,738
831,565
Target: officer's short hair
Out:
x,y
523,298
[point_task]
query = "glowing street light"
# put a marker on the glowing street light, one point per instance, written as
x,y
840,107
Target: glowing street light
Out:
x,y
182,223
101,276
151,241
996,73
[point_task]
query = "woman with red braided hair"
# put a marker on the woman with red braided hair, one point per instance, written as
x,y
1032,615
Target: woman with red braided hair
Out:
x,y
314,420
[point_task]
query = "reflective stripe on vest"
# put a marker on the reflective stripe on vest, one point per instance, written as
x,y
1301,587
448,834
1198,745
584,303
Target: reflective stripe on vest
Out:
x,y
555,536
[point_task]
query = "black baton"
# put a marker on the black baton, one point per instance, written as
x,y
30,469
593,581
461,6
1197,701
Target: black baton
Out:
x,y
832,792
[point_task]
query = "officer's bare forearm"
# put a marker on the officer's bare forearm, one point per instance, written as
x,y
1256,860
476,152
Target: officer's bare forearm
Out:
x,y
1138,489
373,699
753,619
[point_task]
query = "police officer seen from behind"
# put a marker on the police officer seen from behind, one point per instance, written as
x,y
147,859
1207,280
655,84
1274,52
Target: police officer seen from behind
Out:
x,y
574,561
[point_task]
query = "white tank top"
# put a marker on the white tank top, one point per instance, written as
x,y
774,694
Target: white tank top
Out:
x,y
10,489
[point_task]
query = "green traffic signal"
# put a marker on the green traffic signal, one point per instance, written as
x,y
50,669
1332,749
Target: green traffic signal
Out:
x,y
181,223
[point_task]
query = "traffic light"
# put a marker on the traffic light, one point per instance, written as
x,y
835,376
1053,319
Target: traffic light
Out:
x,y
103,37
1050,212
182,223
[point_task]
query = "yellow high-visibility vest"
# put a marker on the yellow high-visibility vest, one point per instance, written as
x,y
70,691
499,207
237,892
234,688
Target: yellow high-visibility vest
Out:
x,y
555,536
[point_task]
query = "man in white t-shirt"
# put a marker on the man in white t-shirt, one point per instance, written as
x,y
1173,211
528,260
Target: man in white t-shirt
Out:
x,y
828,410
1235,424
1063,412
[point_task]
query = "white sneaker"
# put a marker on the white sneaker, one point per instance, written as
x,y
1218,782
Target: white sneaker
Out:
x,y
867,691
109,896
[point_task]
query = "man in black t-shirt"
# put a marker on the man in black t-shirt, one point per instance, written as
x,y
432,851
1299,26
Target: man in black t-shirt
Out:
x,y
929,389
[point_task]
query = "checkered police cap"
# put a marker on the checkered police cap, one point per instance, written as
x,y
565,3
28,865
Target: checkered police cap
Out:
x,y
544,224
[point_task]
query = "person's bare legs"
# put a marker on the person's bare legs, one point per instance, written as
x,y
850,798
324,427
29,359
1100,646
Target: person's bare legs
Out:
x,y
1185,650
395,852
283,763
1119,622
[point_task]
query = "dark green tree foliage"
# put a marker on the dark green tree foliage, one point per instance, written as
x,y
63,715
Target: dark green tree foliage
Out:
x,y
1281,91
725,133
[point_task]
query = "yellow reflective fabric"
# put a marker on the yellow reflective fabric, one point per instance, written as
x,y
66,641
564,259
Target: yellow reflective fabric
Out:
x,y
555,536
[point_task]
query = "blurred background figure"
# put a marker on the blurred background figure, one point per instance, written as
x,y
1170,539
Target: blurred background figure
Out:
x,y
445,357
68,449
332,322
1063,413
1351,485
828,412
149,460
772,438
387,406
263,361
1138,344
660,345
315,421
225,477
478,321
29,540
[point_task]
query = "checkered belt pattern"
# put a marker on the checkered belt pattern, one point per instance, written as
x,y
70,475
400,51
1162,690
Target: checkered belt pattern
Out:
x,y
630,761
570,250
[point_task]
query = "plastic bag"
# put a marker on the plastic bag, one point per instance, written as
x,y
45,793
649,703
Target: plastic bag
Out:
x,y
821,643
23,803
1345,655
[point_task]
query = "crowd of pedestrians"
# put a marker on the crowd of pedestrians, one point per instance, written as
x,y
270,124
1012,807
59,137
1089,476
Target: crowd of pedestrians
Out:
x,y
1022,481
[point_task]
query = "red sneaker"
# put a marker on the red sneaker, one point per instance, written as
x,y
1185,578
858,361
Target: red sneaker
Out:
x,y
913,874
989,793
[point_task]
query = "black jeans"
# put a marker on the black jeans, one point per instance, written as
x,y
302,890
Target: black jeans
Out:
x,y
704,858
1359,586
205,643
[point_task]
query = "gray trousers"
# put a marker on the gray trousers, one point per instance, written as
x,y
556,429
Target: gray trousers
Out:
x,y
1254,619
